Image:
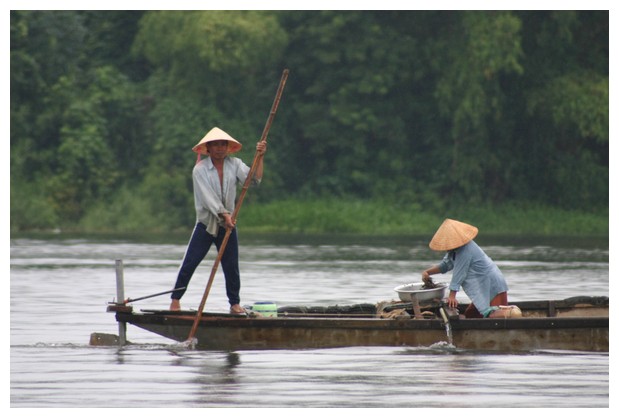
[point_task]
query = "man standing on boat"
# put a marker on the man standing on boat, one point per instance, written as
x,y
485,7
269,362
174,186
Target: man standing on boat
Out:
x,y
214,186
478,275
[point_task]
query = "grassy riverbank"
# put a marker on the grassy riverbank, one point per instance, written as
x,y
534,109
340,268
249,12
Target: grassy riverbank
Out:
x,y
344,216
372,218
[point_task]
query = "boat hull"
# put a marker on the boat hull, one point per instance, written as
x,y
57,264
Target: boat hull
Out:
x,y
567,329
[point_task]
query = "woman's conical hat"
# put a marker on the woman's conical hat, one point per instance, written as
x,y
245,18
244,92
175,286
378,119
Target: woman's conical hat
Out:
x,y
452,234
217,134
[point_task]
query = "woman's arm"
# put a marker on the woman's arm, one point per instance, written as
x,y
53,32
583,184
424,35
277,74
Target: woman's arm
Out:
x,y
425,275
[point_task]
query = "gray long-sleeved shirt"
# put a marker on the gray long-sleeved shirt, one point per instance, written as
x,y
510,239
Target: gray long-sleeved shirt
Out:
x,y
212,198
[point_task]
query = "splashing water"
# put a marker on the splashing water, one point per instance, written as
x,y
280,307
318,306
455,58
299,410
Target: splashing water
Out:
x,y
447,326
186,345
449,334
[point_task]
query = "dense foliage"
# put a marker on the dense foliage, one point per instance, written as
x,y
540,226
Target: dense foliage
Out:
x,y
438,109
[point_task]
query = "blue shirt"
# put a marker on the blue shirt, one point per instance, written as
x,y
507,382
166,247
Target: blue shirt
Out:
x,y
478,275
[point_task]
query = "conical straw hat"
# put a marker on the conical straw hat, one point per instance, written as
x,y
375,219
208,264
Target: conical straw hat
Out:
x,y
452,234
217,134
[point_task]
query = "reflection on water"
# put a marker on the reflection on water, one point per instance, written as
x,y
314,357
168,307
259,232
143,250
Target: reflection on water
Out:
x,y
60,288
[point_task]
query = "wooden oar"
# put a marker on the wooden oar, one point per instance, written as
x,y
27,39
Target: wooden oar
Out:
x,y
250,175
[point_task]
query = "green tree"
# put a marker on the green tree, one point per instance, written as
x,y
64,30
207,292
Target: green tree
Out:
x,y
73,120
483,50
443,109
566,103
357,88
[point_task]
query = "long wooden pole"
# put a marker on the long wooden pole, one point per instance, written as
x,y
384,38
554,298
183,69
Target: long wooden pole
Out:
x,y
250,175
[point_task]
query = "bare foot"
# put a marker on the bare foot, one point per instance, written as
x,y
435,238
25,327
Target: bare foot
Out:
x,y
237,309
175,305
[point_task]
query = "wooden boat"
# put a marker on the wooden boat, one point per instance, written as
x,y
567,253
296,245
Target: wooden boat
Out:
x,y
579,323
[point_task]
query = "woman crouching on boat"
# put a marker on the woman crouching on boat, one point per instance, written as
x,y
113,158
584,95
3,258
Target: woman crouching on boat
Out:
x,y
473,270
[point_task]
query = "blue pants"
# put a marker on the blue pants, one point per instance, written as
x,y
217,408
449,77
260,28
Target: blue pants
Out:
x,y
198,247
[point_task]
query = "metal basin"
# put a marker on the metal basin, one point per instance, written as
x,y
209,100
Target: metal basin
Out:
x,y
423,295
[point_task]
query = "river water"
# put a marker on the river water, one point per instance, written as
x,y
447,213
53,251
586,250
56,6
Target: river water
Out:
x,y
60,287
